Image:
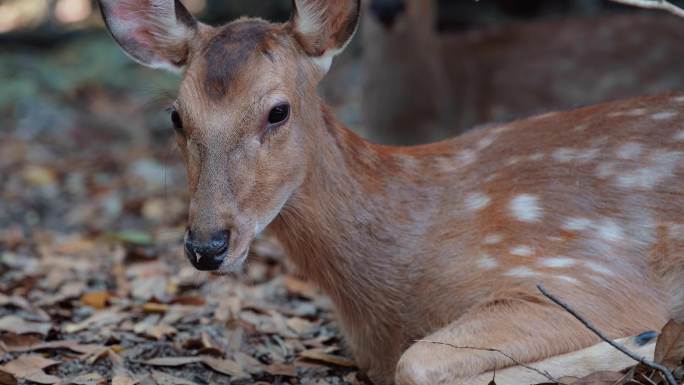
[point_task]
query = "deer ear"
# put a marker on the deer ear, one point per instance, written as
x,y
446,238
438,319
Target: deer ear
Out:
x,y
156,33
325,27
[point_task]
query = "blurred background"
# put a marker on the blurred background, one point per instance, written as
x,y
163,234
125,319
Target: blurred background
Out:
x,y
92,192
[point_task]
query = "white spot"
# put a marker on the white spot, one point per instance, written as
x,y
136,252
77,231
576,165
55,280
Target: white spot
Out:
x,y
558,262
513,160
679,136
598,268
580,127
664,115
537,156
485,142
610,231
629,150
467,157
636,112
525,207
615,114
605,169
476,201
486,262
566,279
662,165
492,239
522,251
577,224
678,99
563,155
521,272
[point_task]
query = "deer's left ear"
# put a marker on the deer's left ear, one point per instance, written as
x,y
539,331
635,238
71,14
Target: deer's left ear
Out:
x,y
325,27
156,33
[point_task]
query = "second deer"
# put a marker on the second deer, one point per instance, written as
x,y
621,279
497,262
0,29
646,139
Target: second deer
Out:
x,y
422,85
443,242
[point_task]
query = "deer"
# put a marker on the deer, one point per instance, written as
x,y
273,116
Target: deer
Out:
x,y
423,85
443,242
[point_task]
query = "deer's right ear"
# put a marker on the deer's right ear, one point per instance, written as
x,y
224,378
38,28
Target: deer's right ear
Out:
x,y
156,33
324,27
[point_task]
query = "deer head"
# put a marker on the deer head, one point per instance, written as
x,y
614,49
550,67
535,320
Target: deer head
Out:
x,y
245,111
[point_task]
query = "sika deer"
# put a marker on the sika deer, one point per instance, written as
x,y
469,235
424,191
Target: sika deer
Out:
x,y
443,242
503,72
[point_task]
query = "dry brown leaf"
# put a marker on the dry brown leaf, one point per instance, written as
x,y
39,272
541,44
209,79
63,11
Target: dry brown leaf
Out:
x,y
153,307
101,318
301,326
281,370
322,356
299,287
122,379
86,349
95,299
16,325
30,367
670,345
600,378
162,378
228,367
88,379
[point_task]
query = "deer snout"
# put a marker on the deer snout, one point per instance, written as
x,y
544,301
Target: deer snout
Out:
x,y
207,254
386,11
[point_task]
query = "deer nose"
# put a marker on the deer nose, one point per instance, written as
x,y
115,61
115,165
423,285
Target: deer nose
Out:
x,y
386,11
207,255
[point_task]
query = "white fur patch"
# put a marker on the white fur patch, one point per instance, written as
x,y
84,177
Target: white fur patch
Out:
x,y
629,150
664,115
577,224
558,262
521,272
598,268
661,166
525,208
522,251
566,279
487,262
476,201
679,136
492,239
610,231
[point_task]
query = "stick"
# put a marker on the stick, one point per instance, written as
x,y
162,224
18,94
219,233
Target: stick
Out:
x,y
655,366
654,4
543,374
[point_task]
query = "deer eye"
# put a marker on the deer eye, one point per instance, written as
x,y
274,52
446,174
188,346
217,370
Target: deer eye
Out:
x,y
177,122
279,114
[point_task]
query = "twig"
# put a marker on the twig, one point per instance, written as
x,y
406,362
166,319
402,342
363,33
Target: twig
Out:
x,y
654,4
541,373
642,360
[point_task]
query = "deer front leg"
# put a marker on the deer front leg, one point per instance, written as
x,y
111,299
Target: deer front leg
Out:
x,y
525,328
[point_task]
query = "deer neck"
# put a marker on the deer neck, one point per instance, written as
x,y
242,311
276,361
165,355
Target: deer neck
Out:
x,y
340,227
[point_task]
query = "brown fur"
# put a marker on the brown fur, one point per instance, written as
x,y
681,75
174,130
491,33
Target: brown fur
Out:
x,y
399,238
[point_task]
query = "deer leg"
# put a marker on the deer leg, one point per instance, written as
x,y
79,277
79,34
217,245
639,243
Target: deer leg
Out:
x,y
526,328
600,357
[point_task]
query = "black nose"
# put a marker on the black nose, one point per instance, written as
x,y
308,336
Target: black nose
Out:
x,y
386,11
207,255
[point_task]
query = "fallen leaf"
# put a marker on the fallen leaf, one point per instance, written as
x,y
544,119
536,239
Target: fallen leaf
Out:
x,y
88,379
98,319
121,379
600,378
322,356
30,368
16,325
281,370
162,378
95,299
228,367
86,349
670,345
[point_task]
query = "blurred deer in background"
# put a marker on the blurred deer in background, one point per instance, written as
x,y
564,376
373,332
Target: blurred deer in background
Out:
x,y
442,242
421,85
